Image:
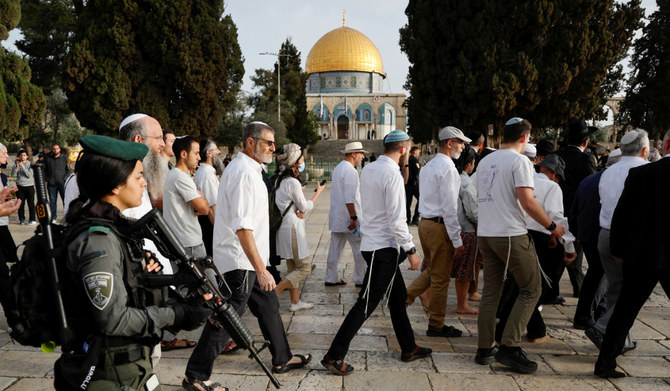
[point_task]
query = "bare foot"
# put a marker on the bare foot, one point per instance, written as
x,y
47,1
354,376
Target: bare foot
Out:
x,y
467,310
475,297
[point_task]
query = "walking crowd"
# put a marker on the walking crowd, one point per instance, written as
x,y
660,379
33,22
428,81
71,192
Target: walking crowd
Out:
x,y
522,215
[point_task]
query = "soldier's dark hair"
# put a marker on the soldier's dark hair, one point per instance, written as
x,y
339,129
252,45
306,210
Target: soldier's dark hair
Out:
x,y
97,176
184,143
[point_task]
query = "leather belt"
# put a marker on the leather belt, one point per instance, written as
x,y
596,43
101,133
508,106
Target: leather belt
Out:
x,y
438,220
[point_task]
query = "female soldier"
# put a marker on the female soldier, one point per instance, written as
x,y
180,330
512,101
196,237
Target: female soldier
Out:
x,y
291,240
126,322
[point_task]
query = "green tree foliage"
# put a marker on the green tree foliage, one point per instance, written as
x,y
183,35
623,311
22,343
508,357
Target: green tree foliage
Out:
x,y
21,102
300,126
479,62
177,60
647,99
47,26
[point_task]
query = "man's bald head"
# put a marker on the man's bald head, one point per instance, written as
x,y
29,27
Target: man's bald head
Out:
x,y
143,129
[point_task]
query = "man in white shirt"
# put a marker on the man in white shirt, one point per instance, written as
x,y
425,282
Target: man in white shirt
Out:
x,y
241,253
345,207
634,153
182,200
167,153
384,232
206,181
505,191
439,229
551,255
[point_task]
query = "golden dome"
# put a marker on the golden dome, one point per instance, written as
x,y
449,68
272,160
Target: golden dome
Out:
x,y
344,49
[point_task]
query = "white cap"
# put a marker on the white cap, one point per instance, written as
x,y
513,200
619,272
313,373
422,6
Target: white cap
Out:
x,y
131,118
450,132
630,137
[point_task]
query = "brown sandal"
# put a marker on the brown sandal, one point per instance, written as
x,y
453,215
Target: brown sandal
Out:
x,y
176,344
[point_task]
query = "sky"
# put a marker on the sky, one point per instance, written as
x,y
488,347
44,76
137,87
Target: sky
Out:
x,y
263,25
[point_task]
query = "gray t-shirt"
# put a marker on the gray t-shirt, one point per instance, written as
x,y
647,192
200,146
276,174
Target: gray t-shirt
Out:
x,y
179,189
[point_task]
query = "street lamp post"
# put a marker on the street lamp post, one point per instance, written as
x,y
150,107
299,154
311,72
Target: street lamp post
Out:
x,y
279,56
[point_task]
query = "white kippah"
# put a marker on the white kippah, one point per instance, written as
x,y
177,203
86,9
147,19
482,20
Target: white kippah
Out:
x,y
514,120
630,137
131,118
530,151
2,146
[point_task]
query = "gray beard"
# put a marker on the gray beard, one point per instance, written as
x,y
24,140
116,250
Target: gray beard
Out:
x,y
155,173
217,163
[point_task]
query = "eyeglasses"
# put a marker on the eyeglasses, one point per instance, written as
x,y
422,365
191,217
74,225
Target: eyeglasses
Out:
x,y
270,143
156,137
530,138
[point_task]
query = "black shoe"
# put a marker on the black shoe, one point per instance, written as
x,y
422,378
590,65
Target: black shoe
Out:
x,y
414,223
608,373
486,356
418,353
516,359
445,331
595,336
558,300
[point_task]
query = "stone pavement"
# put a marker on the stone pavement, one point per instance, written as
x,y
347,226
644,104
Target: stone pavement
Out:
x,y
565,359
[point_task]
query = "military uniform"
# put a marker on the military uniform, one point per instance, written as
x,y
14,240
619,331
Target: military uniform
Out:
x,y
114,319
126,322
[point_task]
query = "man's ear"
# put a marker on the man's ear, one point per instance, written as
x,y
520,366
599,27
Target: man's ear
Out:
x,y
183,154
137,138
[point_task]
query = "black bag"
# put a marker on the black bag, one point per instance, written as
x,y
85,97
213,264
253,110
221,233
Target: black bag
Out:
x,y
276,216
32,287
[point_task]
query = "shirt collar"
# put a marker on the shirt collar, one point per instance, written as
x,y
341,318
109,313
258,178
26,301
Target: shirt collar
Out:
x,y
247,160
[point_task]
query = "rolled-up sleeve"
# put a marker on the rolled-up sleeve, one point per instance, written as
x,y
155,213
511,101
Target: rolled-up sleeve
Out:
x,y
242,210
350,186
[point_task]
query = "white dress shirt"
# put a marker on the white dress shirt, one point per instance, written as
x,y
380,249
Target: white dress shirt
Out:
x,y
383,205
242,204
549,195
206,181
345,189
289,190
611,186
439,184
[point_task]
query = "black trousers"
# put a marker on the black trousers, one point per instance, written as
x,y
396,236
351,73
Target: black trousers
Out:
x,y
7,254
207,229
591,295
381,270
412,191
638,283
27,196
264,305
575,272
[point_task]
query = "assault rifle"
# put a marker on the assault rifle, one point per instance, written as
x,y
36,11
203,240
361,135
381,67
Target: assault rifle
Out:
x,y
192,273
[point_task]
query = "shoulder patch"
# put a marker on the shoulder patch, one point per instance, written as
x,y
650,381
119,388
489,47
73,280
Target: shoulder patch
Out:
x,y
99,288
98,228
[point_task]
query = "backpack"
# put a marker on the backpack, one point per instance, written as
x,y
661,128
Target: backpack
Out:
x,y
37,316
276,216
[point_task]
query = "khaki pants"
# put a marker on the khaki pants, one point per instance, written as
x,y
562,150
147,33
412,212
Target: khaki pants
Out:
x,y
438,253
524,268
298,269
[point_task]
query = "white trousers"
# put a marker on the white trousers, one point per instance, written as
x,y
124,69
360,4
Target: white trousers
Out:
x,y
337,241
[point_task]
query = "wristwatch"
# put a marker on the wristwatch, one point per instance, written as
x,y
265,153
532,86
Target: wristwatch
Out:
x,y
411,251
354,217
551,226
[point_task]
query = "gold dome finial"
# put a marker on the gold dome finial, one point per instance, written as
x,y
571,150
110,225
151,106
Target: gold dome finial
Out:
x,y
344,18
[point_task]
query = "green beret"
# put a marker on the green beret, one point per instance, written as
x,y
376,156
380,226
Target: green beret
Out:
x,y
111,147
